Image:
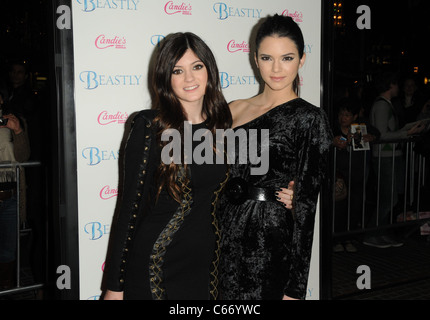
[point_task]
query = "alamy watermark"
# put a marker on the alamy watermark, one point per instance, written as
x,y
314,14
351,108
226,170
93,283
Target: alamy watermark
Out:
x,y
364,21
63,281
364,280
225,147
64,21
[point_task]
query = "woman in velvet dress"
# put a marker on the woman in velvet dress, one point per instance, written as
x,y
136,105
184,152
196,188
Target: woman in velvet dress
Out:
x,y
265,253
165,241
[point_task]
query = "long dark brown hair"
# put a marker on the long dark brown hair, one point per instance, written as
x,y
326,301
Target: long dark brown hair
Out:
x,y
282,26
171,114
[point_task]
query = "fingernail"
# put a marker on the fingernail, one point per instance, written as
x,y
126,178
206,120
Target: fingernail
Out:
x,y
276,193
277,198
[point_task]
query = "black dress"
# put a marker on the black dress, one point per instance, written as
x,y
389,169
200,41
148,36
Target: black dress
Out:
x,y
266,249
174,250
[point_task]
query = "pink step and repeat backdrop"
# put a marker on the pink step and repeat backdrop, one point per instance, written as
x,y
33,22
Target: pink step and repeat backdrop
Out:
x,y
113,44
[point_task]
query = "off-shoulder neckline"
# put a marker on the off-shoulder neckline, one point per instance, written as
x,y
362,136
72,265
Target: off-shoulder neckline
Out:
x,y
266,113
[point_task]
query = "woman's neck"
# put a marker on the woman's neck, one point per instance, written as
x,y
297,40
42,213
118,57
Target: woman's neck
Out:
x,y
274,98
194,116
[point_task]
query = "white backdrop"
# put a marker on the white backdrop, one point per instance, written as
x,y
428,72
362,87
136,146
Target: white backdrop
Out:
x,y
113,43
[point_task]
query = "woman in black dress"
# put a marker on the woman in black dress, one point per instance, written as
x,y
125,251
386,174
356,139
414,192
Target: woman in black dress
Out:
x,y
265,253
165,243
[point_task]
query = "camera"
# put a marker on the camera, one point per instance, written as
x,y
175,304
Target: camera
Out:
x,y
3,121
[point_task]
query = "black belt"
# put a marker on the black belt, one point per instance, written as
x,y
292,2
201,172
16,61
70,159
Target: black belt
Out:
x,y
238,190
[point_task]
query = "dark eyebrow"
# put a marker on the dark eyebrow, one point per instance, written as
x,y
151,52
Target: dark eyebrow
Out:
x,y
197,61
284,55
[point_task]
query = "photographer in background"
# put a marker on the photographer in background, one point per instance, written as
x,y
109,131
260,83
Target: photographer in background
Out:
x,y
14,147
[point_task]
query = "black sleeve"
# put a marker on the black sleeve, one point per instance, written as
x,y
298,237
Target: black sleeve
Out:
x,y
314,138
135,162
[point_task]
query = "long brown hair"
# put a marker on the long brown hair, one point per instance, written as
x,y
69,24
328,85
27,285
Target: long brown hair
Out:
x,y
171,113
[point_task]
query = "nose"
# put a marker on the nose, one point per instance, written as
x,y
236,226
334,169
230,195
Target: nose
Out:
x,y
275,66
189,75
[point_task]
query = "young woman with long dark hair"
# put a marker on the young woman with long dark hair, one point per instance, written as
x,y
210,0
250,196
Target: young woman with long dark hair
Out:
x,y
164,243
265,253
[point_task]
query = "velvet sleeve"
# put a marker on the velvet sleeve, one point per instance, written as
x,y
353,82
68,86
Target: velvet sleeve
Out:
x,y
313,141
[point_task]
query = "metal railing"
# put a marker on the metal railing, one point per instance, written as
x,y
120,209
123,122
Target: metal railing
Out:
x,y
414,179
20,231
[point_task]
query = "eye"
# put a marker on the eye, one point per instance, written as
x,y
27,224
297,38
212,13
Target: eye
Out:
x,y
176,71
198,66
265,58
288,58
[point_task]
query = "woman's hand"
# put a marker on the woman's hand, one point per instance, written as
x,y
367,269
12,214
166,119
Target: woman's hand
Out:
x,y
286,195
114,295
288,298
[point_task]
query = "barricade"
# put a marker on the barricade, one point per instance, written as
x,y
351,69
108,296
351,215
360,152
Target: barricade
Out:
x,y
22,230
408,169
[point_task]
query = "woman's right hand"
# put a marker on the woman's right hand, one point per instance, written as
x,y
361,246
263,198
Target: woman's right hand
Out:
x,y
114,295
285,195
339,142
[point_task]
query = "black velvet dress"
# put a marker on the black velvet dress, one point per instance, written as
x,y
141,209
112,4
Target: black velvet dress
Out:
x,y
173,251
265,248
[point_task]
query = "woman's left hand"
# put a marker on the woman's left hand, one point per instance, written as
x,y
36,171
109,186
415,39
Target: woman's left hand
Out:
x,y
286,195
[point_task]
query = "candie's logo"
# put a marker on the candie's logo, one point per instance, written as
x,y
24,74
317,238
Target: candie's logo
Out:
x,y
105,118
297,16
103,42
234,46
107,193
174,8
